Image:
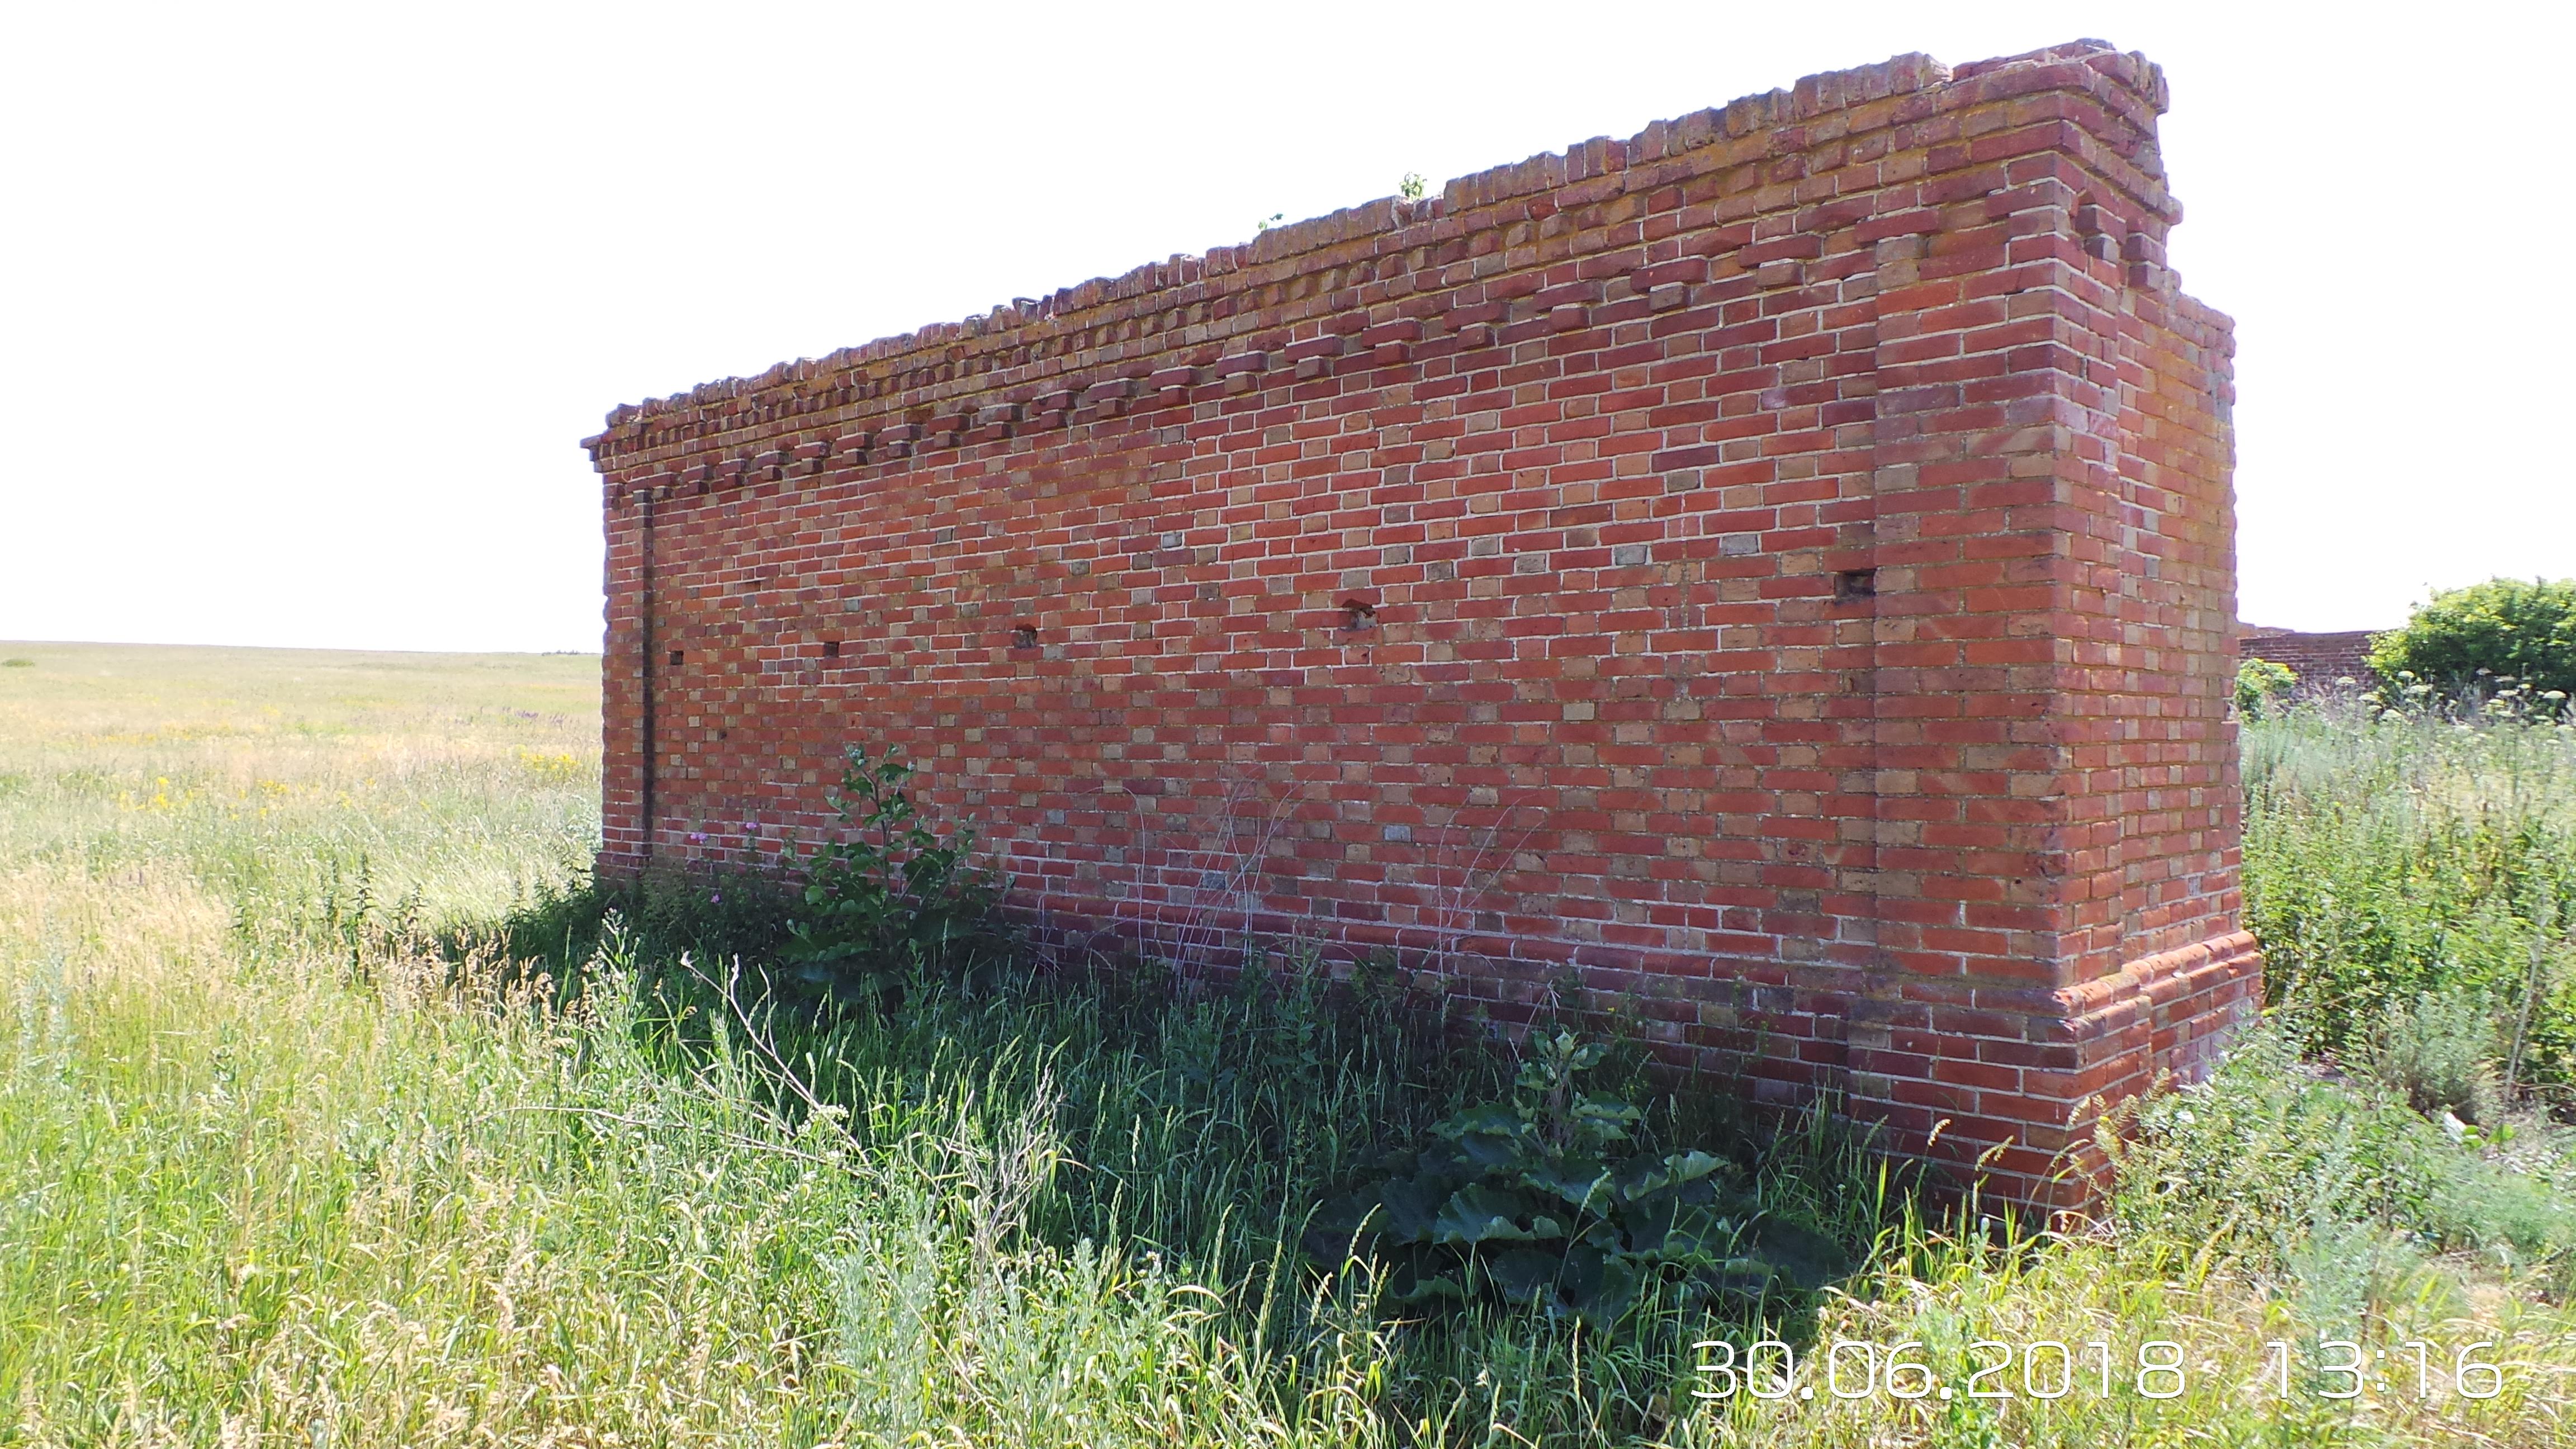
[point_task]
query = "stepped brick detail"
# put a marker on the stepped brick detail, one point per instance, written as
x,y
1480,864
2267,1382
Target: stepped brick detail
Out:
x,y
1774,572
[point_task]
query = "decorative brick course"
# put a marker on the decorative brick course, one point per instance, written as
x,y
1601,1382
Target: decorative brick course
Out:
x,y
1777,568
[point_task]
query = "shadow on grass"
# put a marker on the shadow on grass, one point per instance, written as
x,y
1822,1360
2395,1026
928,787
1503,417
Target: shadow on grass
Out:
x,y
1203,1124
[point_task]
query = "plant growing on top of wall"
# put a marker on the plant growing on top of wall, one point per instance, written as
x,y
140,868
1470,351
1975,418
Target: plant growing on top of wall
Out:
x,y
1545,1199
892,897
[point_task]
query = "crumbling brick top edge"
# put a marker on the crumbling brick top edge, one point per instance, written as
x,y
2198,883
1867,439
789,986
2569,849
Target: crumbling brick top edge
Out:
x,y
1812,97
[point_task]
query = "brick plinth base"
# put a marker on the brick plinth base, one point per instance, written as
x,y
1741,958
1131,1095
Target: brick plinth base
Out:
x,y
2013,1082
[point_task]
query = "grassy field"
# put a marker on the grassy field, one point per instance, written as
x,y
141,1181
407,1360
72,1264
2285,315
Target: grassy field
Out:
x,y
290,1155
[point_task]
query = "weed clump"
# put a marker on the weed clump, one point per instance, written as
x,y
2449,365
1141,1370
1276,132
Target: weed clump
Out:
x,y
2294,1168
2438,1054
1545,1200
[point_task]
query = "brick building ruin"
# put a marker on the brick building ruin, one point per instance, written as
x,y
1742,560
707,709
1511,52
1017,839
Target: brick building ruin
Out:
x,y
1775,570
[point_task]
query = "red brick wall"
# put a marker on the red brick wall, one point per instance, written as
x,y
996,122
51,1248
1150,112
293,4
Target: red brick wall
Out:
x,y
2318,659
1776,568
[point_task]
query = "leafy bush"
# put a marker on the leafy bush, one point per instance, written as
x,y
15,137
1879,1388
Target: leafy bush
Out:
x,y
891,898
1541,1200
2467,638
2261,682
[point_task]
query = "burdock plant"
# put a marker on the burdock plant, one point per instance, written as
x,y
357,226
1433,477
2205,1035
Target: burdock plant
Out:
x,y
1544,1199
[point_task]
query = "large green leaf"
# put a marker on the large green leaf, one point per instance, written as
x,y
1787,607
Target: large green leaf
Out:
x,y
1493,1135
1499,1119
1646,1226
1596,1287
1582,1181
1737,1278
1607,1113
1641,1177
1666,1229
1697,1231
1341,1227
1802,1256
1525,1275
1411,1285
1481,1214
1411,1206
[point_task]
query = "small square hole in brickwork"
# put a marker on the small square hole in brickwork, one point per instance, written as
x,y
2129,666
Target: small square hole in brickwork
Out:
x,y
831,648
675,659
1853,584
1357,615
1024,636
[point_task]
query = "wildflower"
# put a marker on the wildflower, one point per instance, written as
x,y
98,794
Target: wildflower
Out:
x,y
698,838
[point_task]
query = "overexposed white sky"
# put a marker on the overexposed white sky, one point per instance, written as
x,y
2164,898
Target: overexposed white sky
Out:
x,y
303,310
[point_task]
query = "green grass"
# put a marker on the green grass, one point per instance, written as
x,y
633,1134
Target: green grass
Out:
x,y
288,1155
304,787
2391,859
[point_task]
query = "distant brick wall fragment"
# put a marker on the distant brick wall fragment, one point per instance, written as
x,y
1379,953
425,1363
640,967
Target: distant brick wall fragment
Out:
x,y
1776,568
2318,659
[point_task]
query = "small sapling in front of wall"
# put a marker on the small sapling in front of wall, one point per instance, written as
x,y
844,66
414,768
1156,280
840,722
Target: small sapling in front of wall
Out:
x,y
892,898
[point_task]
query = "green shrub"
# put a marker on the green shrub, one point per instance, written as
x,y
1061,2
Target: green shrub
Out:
x,y
2260,683
17,663
2464,640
